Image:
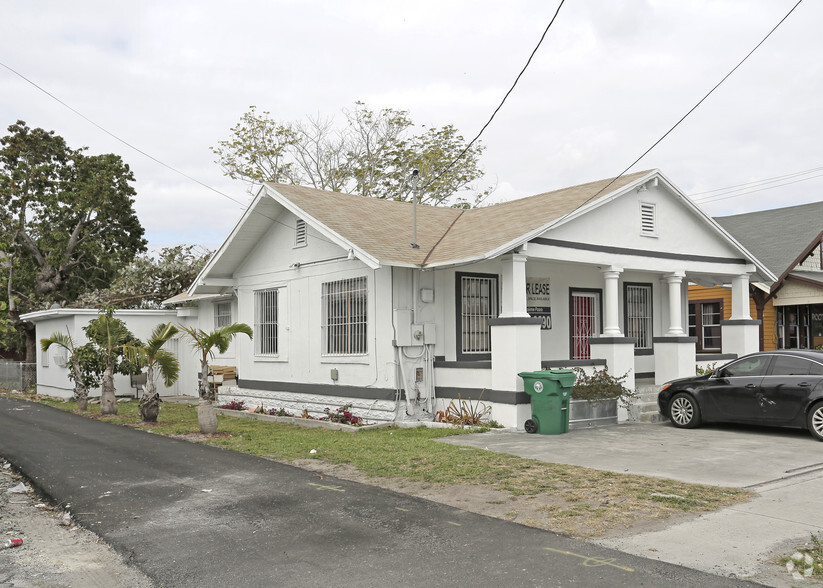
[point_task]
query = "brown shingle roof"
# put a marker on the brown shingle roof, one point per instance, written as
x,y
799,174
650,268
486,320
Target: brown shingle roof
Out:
x,y
383,228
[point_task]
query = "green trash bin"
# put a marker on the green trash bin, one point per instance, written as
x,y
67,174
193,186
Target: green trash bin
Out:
x,y
550,392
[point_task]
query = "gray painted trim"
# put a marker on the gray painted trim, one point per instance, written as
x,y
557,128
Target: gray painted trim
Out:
x,y
319,389
732,322
561,363
515,320
674,339
715,356
638,252
643,352
644,376
498,396
468,365
612,340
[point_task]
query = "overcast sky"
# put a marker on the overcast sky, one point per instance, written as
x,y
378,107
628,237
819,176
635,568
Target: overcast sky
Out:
x,y
172,77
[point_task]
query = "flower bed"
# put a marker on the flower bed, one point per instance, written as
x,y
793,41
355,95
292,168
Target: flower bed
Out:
x,y
340,419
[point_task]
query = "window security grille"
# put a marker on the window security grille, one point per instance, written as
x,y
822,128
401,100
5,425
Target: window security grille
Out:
x,y
639,315
300,233
478,305
345,316
647,219
265,322
585,323
222,314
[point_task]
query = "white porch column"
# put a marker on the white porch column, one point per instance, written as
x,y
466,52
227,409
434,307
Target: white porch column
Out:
x,y
741,309
513,295
675,282
740,335
611,306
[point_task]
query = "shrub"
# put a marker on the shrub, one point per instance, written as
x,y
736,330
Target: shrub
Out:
x,y
279,412
343,416
601,385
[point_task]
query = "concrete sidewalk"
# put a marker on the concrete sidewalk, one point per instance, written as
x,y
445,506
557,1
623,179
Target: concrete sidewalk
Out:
x,y
783,466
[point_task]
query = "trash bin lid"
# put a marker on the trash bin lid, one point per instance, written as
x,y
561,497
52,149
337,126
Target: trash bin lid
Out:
x,y
564,377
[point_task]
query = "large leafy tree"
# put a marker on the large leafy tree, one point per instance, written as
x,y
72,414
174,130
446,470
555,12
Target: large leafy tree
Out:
x,y
67,222
149,280
372,154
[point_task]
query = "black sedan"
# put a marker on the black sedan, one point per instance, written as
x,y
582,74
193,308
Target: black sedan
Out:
x,y
778,388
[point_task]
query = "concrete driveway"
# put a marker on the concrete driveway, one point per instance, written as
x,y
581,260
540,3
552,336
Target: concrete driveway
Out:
x,y
783,466
725,455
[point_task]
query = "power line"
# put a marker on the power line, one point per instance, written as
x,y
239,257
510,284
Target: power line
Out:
x,y
499,106
149,156
722,197
755,183
692,109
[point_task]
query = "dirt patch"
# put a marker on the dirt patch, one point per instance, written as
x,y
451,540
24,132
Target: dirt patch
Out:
x,y
53,554
566,515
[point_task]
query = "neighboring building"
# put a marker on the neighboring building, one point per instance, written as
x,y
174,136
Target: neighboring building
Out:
x,y
350,304
789,241
52,368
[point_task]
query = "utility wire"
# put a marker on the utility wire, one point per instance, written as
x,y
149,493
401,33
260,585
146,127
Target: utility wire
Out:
x,y
499,106
149,156
754,184
722,197
692,109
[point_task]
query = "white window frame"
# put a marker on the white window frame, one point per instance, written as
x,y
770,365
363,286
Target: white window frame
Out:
x,y
221,317
267,341
345,317
648,219
638,314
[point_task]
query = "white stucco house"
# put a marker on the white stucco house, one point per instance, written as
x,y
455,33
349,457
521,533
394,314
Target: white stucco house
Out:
x,y
349,304
52,368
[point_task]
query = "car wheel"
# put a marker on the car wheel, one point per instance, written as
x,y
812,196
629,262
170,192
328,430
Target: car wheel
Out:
x,y
814,421
683,411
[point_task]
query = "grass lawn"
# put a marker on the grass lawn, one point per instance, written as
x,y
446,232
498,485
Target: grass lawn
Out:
x,y
576,500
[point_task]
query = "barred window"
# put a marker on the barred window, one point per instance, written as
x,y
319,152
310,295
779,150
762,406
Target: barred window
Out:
x,y
265,322
345,316
478,304
222,314
638,302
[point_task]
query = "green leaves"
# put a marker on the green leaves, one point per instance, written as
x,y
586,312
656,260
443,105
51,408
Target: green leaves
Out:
x,y
373,154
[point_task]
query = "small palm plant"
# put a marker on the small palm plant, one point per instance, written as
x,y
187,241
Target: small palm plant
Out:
x,y
81,392
205,343
154,357
112,338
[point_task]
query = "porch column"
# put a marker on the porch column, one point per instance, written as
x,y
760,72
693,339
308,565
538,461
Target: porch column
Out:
x,y
740,335
516,347
675,352
611,306
513,294
675,282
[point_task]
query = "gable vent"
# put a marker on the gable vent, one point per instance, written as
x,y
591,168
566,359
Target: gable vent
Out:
x,y
300,233
647,219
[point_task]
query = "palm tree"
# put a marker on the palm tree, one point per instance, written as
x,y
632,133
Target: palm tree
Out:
x,y
204,344
153,356
81,393
112,337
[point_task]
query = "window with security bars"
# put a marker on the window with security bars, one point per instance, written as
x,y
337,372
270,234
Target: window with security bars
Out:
x,y
222,314
265,321
345,316
704,324
638,305
585,322
478,304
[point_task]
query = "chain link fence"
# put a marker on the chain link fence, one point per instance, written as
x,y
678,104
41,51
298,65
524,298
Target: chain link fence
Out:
x,y
18,375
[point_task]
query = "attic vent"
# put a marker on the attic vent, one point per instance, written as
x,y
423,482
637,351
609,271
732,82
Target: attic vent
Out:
x,y
647,219
300,233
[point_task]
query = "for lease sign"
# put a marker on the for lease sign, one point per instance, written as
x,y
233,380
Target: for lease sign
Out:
x,y
538,300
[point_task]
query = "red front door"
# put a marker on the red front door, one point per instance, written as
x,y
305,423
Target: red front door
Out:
x,y
584,322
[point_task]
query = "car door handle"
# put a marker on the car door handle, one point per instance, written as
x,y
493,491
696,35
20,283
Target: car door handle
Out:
x,y
804,384
751,386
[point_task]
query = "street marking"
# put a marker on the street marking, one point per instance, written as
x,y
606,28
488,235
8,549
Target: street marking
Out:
x,y
322,487
592,562
403,509
455,524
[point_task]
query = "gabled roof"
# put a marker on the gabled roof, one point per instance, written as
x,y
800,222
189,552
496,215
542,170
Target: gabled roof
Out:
x,y
384,229
776,237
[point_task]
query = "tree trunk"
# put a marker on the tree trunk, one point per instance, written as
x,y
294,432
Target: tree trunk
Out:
x,y
206,415
81,393
150,402
108,402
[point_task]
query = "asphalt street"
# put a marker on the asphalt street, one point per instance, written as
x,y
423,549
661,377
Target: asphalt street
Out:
x,y
192,515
